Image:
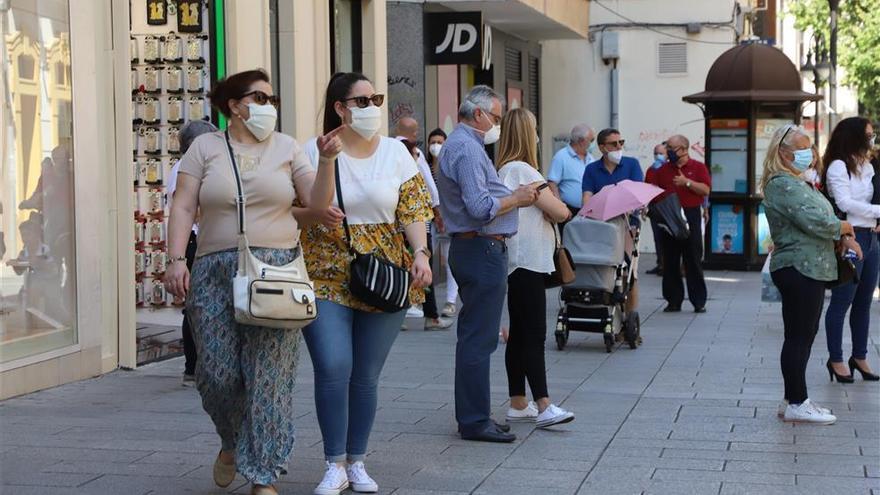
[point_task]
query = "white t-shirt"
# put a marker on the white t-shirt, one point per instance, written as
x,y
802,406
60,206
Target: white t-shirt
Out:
x,y
853,194
371,186
533,245
425,169
171,187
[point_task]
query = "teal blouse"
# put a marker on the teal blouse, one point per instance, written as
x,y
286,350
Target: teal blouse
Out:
x,y
803,228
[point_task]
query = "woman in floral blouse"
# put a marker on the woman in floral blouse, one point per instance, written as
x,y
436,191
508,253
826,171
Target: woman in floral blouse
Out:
x,y
385,199
804,231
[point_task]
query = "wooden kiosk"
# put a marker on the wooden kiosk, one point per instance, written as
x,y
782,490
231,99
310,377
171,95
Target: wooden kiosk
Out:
x,y
751,90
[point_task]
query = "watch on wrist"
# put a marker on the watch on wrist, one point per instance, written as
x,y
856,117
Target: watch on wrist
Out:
x,y
423,249
688,185
177,259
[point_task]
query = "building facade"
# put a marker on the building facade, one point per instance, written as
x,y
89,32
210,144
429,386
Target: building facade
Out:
x,y
93,92
426,77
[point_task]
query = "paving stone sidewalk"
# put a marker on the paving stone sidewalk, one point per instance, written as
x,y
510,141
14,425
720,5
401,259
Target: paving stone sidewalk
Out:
x,y
693,411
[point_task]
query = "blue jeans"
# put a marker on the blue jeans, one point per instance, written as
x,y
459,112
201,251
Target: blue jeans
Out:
x,y
479,265
348,349
858,296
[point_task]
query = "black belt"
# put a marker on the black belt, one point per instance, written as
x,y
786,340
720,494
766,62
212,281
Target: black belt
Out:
x,y
473,235
863,229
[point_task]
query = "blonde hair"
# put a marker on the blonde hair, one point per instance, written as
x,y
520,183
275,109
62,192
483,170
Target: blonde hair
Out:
x,y
773,163
518,138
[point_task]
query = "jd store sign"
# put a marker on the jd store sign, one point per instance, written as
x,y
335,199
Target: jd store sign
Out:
x,y
454,38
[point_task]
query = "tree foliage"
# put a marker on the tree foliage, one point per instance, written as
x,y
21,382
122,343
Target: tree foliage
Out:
x,y
858,42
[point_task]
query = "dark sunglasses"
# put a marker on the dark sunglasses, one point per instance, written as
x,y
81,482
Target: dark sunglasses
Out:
x,y
261,98
364,101
614,143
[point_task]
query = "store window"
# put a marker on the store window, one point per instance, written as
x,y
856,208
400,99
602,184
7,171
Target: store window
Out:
x,y
345,36
37,272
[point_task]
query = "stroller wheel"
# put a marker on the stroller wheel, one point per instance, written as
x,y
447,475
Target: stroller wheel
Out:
x,y
609,342
560,341
632,330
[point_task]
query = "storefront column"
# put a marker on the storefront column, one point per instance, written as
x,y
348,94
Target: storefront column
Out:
x,y
375,51
247,36
304,64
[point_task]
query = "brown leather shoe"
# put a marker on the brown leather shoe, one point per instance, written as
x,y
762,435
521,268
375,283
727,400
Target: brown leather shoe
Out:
x,y
263,490
224,474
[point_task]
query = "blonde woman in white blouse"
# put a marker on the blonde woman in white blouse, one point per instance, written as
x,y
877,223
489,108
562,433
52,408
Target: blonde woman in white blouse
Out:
x,y
848,180
530,259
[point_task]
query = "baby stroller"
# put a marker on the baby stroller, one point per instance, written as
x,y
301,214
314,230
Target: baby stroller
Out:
x,y
606,256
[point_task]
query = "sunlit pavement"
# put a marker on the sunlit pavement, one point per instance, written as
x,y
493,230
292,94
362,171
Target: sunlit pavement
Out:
x,y
692,411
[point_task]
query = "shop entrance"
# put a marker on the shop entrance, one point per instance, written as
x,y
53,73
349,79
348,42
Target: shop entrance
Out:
x,y
177,50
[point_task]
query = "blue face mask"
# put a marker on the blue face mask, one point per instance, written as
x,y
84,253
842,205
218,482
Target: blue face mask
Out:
x,y
802,159
659,160
593,148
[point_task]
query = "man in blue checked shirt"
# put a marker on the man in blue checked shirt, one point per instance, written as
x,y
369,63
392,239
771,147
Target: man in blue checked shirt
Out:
x,y
480,214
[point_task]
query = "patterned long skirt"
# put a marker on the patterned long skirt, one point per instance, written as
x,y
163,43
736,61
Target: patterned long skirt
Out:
x,y
245,374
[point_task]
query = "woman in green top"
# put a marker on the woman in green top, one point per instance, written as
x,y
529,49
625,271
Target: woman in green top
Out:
x,y
804,231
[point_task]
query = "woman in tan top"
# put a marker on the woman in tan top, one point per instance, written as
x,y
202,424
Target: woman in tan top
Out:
x,y
245,374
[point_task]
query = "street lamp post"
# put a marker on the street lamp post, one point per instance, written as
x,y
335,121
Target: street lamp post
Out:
x,y
819,73
834,6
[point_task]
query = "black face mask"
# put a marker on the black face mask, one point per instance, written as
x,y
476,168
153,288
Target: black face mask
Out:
x,y
673,156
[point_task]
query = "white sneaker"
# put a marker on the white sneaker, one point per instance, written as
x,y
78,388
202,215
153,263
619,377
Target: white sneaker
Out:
x,y
780,411
360,480
438,324
415,312
527,415
335,480
807,412
554,415
449,310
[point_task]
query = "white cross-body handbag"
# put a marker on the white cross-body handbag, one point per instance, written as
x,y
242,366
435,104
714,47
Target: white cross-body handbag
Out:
x,y
267,295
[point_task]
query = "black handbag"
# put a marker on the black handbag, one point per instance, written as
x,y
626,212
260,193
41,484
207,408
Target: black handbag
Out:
x,y
667,213
846,273
373,280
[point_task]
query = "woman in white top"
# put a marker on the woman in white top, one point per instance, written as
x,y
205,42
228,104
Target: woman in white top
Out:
x,y
848,181
385,200
530,260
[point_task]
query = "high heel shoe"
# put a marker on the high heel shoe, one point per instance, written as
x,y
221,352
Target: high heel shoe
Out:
x,y
866,375
840,378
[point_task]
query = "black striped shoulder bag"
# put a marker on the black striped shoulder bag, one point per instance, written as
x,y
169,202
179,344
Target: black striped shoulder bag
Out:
x,y
373,280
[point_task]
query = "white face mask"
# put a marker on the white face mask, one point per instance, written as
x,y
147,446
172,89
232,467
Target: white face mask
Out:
x,y
434,149
615,156
261,123
366,121
493,134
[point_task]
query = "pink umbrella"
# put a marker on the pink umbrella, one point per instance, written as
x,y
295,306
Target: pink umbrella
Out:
x,y
620,198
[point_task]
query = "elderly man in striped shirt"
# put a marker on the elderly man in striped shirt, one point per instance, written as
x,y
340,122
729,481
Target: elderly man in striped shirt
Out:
x,y
480,214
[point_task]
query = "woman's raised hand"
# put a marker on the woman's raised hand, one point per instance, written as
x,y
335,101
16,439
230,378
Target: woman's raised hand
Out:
x,y
329,145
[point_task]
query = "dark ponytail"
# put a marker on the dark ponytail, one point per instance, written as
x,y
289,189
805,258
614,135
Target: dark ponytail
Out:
x,y
337,89
234,87
847,142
